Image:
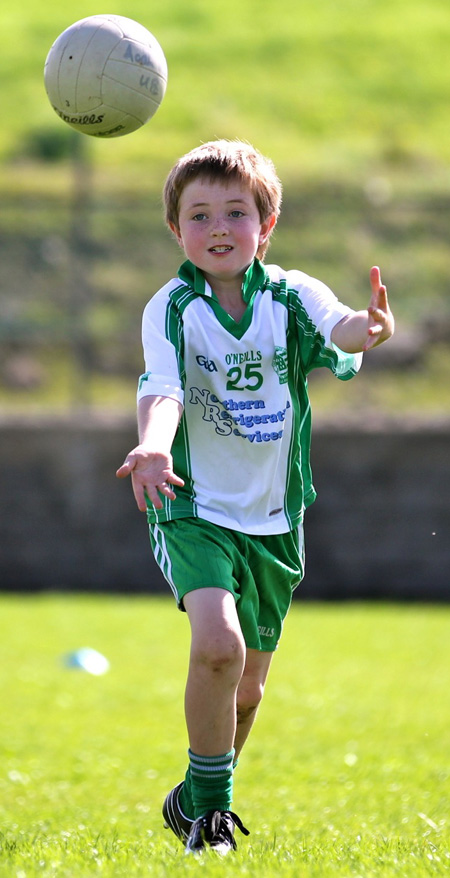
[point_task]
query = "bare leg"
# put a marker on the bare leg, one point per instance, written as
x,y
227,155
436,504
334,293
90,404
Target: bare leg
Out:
x,y
215,669
250,692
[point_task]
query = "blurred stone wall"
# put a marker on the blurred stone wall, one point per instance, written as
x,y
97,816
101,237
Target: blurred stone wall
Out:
x,y
380,527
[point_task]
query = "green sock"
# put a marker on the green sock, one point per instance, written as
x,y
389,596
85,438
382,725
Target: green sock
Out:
x,y
211,782
185,797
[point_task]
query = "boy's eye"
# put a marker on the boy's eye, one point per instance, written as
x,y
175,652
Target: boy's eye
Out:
x,y
236,213
199,216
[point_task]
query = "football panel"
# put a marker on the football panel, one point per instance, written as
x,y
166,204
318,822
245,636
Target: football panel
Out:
x,y
145,55
133,30
126,125
96,52
52,73
65,58
101,122
132,90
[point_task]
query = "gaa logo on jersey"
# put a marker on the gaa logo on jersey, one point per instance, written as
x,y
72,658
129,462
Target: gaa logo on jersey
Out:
x,y
280,364
209,365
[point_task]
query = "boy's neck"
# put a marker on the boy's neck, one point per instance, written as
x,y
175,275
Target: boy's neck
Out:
x,y
226,288
232,294
232,301
229,294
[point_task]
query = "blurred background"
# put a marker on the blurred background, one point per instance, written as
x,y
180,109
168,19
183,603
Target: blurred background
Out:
x,y
351,101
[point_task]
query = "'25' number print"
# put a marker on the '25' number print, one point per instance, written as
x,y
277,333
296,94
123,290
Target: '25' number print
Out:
x,y
251,374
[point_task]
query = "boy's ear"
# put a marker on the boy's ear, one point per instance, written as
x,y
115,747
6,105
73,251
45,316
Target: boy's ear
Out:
x,y
175,230
266,228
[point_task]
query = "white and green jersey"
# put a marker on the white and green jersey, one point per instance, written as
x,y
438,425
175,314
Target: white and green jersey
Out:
x,y
243,442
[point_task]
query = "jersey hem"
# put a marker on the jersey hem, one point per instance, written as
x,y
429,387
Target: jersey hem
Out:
x,y
159,516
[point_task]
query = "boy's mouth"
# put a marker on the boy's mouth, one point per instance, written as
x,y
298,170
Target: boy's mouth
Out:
x,y
222,248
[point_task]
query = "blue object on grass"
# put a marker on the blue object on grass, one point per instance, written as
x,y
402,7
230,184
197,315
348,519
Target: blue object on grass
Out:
x,y
87,659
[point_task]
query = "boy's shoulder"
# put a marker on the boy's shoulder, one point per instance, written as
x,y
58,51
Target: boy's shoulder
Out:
x,y
171,286
169,292
182,289
293,279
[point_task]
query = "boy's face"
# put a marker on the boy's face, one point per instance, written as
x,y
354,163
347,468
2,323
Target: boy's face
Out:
x,y
219,228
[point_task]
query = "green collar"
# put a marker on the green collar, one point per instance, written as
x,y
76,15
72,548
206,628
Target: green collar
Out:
x,y
253,279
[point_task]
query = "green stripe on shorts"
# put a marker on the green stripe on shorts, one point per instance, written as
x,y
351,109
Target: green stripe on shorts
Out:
x,y
260,571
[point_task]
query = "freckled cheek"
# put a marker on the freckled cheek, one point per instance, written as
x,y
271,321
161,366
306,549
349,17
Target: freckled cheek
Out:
x,y
192,240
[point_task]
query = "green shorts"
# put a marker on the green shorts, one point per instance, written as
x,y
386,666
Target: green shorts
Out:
x,y
260,571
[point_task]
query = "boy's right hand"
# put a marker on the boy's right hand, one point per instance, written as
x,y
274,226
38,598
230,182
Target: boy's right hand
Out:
x,y
151,474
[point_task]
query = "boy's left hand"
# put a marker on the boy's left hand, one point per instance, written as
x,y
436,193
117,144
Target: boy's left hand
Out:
x,y
381,321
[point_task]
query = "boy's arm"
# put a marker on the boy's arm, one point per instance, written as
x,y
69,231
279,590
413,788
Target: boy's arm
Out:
x,y
150,463
363,330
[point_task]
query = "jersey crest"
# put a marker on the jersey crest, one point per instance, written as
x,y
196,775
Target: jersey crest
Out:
x,y
280,364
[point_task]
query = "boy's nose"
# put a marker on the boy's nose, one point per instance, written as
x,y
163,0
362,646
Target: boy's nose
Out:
x,y
219,228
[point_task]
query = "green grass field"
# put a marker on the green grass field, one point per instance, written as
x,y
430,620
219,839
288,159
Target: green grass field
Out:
x,y
346,773
314,84
351,102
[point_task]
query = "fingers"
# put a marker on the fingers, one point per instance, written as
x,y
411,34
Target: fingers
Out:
x,y
378,315
375,278
144,491
151,476
125,469
128,465
175,480
379,297
379,304
139,495
381,324
379,310
373,336
165,489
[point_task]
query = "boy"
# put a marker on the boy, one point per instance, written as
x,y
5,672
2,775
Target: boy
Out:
x,y
224,418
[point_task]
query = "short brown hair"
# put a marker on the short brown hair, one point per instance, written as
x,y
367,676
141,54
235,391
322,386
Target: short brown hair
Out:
x,y
226,160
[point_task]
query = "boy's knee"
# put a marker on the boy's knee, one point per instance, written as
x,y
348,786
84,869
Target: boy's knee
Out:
x,y
221,653
248,699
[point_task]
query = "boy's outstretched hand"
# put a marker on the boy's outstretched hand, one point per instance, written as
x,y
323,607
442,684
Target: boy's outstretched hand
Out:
x,y
151,475
381,320
363,330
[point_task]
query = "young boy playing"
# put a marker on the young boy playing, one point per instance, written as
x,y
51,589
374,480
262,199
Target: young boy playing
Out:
x,y
224,418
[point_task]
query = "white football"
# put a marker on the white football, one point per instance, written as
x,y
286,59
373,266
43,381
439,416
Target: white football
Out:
x,y
105,75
